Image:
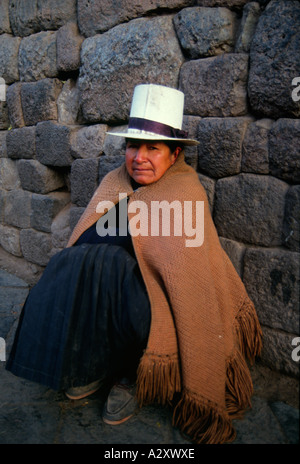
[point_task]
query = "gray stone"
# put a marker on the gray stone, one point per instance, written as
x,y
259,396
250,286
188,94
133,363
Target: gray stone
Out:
x,y
35,246
291,223
235,252
53,146
284,150
37,56
271,277
4,118
75,214
251,13
68,106
255,150
275,60
96,17
190,125
236,4
38,178
30,16
3,149
9,48
220,150
108,163
4,17
44,209
17,208
288,418
39,100
88,141
9,178
215,86
84,180
60,228
277,351
2,204
21,143
249,208
133,52
205,31
14,105
68,45
10,240
114,146
209,187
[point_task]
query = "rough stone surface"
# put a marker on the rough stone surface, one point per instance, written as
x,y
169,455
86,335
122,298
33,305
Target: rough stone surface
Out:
x,y
53,144
220,150
37,56
68,107
133,51
96,17
277,351
4,118
255,152
87,142
10,240
291,224
284,149
235,252
209,186
84,180
14,105
251,14
9,48
68,45
4,17
205,31
21,143
44,209
35,246
3,149
108,163
38,178
39,100
250,208
275,60
17,208
30,16
60,229
215,86
230,3
9,178
271,277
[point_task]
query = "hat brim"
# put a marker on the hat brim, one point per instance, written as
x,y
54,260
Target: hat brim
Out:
x,y
146,136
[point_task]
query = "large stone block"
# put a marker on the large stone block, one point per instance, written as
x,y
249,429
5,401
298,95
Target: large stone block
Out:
x,y
35,246
68,106
215,86
44,208
9,178
39,100
96,17
291,224
4,118
275,60
9,49
4,17
220,150
277,352
84,180
38,178
21,143
60,228
3,148
206,31
250,208
255,152
68,45
37,56
108,163
10,240
53,146
17,208
88,141
272,281
251,13
113,63
30,16
237,4
235,252
284,149
14,105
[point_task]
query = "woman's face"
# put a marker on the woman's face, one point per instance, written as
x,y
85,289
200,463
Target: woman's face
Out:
x,y
147,161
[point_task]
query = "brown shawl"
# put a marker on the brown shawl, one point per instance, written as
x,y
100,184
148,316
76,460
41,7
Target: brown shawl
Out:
x,y
203,324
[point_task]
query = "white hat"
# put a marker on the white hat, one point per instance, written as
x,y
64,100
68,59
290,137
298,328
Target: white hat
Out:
x,y
156,114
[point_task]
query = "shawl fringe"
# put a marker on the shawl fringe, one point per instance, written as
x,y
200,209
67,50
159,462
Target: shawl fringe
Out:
x,y
158,379
248,331
202,421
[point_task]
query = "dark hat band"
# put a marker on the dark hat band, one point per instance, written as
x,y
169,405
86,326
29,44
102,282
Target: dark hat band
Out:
x,y
157,128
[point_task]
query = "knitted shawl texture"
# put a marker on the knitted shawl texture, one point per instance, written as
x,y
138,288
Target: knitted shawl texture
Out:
x,y
204,327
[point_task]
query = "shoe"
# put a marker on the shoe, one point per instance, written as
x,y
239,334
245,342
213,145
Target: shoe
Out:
x,y
120,404
78,393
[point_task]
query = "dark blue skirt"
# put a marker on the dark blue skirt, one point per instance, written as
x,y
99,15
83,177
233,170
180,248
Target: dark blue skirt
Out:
x,y
87,318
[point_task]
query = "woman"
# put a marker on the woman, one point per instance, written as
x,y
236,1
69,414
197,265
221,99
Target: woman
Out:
x,y
162,305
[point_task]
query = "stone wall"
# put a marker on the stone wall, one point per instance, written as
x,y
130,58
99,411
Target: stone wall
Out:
x,y
70,68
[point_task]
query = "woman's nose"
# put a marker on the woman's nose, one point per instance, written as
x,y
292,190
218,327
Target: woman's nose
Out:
x,y
141,153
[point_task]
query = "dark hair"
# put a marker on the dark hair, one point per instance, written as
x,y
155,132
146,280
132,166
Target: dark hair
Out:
x,y
170,143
